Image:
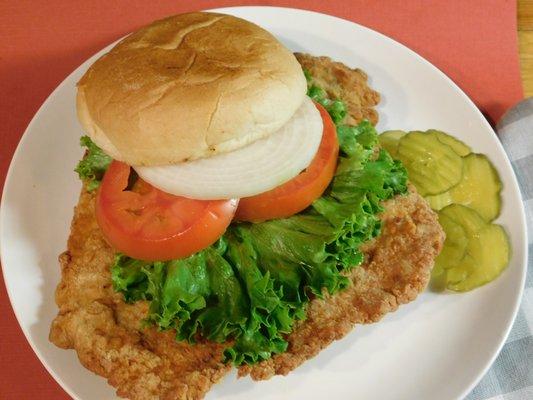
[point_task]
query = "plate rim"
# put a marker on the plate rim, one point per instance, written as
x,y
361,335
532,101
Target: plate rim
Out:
x,y
335,19
7,183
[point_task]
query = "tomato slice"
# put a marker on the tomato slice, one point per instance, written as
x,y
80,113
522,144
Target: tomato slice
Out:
x,y
149,224
298,193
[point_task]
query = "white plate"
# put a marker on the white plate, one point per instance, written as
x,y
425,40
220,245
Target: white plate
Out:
x,y
437,347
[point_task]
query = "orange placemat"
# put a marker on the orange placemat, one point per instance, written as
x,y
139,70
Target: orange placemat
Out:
x,y
41,42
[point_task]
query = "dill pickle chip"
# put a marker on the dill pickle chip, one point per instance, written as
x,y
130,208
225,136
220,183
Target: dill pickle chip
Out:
x,y
433,167
475,251
454,248
479,189
389,140
490,250
458,146
438,278
469,219
458,274
439,201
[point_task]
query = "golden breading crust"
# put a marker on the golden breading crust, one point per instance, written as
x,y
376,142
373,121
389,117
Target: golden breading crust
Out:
x,y
397,268
106,332
342,82
144,364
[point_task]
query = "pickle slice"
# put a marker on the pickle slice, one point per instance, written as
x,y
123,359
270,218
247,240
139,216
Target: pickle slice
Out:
x,y
459,147
454,248
458,274
445,278
389,140
439,201
469,219
475,252
432,166
479,189
490,250
438,280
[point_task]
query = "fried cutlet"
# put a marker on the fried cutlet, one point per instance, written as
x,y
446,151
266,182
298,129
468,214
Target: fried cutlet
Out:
x,y
106,332
143,363
341,82
396,269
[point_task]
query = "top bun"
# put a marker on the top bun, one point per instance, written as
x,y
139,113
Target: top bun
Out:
x,y
189,86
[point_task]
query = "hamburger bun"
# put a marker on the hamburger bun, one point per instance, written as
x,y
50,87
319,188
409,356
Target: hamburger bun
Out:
x,y
187,87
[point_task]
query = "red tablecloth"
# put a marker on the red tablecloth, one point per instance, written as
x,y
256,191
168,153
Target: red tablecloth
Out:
x,y
41,42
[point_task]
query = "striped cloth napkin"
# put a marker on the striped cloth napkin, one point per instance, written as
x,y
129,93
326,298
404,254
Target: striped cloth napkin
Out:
x,y
511,375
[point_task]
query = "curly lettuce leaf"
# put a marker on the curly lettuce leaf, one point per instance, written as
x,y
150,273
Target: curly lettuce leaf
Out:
x,y
250,288
335,108
92,167
219,294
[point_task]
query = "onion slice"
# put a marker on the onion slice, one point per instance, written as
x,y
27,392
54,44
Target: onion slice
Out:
x,y
253,169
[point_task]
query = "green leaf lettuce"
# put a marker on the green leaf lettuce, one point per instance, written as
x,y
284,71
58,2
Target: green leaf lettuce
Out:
x,y
92,167
250,288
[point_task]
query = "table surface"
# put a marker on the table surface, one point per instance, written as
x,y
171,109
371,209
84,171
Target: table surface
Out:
x,y
525,38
